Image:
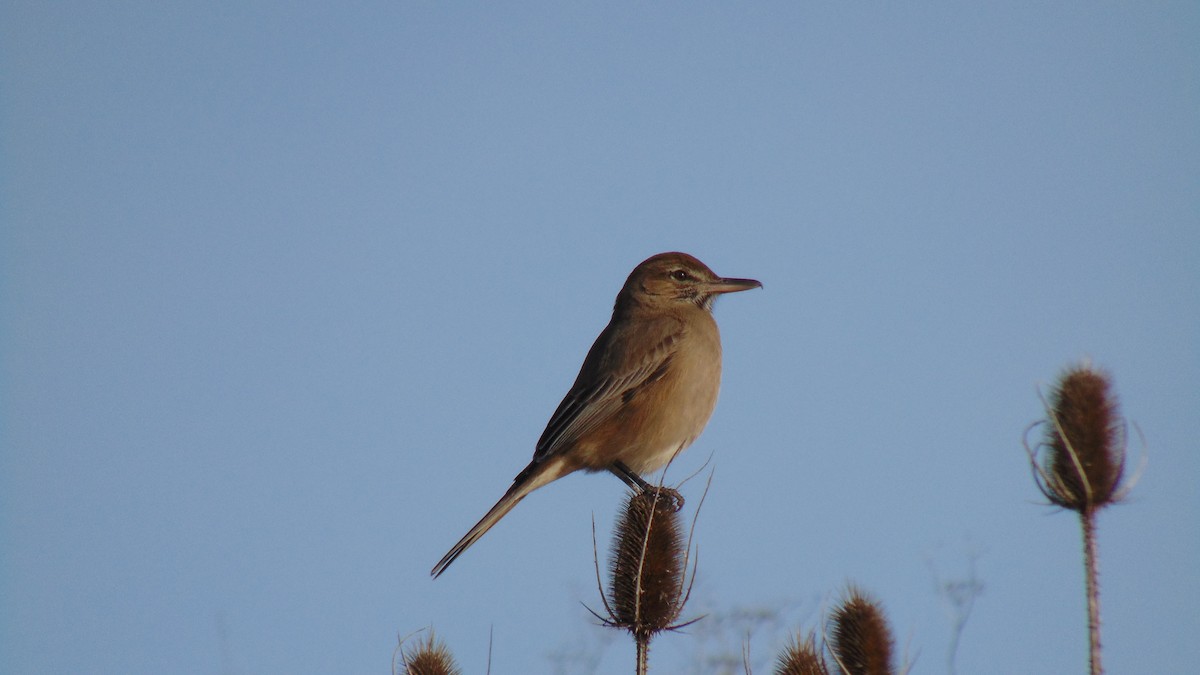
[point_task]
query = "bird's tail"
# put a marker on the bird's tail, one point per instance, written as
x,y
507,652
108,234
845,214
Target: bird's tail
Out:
x,y
531,478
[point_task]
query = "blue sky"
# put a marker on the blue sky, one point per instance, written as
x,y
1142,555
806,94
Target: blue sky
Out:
x,y
290,290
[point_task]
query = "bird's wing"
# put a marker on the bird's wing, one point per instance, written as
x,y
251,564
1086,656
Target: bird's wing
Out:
x,y
592,401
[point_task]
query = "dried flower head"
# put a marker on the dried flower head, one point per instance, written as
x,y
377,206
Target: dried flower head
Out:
x,y
647,565
801,657
430,657
861,641
1084,442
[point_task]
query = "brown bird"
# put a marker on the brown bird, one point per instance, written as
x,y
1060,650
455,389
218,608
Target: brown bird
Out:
x,y
645,391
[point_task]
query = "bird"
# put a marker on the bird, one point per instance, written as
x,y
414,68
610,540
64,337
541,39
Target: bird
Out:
x,y
645,391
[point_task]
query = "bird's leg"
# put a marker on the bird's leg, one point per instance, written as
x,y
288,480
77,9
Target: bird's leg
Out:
x,y
629,477
638,483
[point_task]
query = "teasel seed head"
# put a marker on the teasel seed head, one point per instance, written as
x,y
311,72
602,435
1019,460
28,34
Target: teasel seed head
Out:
x,y
647,566
1084,442
801,657
430,657
861,641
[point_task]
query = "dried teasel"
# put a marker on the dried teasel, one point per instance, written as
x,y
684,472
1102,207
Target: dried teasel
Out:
x,y
428,657
648,568
1082,453
647,565
1080,465
860,640
801,657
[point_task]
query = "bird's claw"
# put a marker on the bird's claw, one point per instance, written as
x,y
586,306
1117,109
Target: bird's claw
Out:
x,y
665,493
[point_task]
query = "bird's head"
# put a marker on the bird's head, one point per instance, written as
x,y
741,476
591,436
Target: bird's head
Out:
x,y
677,278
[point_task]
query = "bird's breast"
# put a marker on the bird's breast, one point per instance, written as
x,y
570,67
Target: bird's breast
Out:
x,y
673,411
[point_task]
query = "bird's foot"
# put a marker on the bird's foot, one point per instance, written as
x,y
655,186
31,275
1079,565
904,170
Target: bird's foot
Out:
x,y
667,494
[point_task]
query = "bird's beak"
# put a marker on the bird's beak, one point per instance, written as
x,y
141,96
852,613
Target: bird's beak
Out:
x,y
732,285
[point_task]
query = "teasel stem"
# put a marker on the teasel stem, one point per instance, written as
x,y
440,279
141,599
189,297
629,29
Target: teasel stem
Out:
x,y
1092,582
643,654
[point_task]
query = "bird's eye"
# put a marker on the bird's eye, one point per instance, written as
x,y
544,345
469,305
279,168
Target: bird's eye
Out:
x,y
680,275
